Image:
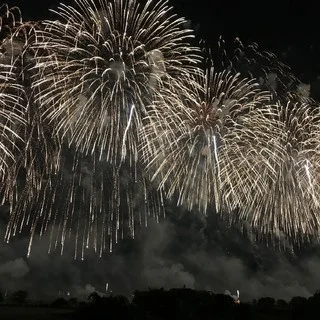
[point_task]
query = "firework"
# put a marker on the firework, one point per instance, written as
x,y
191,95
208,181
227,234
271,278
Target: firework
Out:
x,y
11,118
106,61
97,71
272,166
89,101
181,145
34,151
77,208
10,17
254,63
12,109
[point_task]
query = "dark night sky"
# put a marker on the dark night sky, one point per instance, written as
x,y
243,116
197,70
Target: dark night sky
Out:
x,y
190,250
277,23
279,26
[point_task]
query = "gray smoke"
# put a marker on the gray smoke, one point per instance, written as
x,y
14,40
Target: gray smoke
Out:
x,y
180,251
14,269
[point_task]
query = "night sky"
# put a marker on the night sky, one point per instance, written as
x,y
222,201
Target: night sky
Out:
x,y
281,27
187,248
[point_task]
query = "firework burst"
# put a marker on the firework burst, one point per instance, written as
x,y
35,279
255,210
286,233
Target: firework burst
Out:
x,y
97,71
106,61
34,151
181,145
273,166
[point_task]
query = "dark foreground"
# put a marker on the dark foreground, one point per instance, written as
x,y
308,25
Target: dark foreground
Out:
x,y
34,313
186,304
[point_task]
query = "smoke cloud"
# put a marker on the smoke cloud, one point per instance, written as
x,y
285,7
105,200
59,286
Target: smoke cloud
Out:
x,y
184,250
14,269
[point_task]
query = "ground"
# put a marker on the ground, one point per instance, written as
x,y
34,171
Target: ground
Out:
x,y
33,313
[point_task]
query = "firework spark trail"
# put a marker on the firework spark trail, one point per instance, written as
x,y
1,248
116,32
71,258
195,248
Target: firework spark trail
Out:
x,y
10,17
254,63
11,117
277,175
123,151
78,208
12,109
183,153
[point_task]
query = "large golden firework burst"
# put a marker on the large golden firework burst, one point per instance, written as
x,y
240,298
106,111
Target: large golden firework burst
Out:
x,y
106,61
273,167
181,145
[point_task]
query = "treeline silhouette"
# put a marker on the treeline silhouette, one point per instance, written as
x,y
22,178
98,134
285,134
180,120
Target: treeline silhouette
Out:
x,y
184,303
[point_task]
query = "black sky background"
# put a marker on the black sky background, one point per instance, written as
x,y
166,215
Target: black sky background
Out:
x,y
187,248
285,26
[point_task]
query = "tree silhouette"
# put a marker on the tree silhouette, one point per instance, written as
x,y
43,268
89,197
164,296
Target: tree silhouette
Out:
x,y
298,302
299,306
73,302
20,296
282,304
266,304
94,297
60,303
